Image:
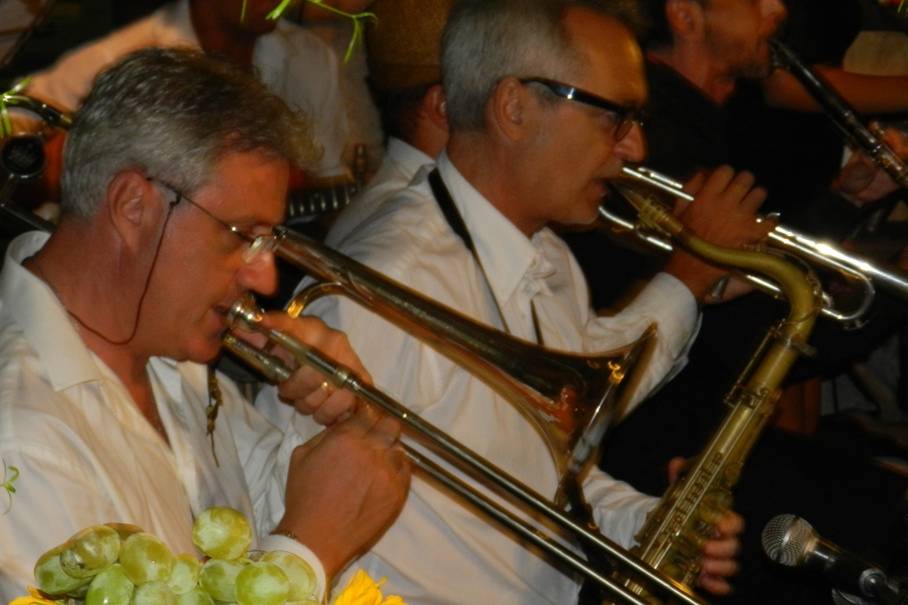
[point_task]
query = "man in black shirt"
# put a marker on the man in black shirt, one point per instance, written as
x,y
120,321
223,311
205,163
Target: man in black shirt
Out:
x,y
698,52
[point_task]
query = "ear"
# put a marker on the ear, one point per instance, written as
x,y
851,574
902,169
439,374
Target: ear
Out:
x,y
434,106
133,207
511,109
685,18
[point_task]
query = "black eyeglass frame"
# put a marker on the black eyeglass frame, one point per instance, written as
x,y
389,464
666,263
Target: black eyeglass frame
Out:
x,y
625,116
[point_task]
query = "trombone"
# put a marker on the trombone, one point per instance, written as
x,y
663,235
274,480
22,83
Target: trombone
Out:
x,y
547,387
853,267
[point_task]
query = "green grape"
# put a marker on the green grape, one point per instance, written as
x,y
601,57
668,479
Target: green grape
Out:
x,y
196,596
146,559
51,577
124,530
298,572
218,578
110,587
262,584
222,533
90,551
185,574
154,593
80,592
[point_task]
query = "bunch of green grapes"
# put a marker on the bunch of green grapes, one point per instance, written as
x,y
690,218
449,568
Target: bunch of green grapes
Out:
x,y
119,564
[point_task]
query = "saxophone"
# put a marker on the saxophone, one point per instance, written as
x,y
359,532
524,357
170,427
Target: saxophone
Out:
x,y
674,531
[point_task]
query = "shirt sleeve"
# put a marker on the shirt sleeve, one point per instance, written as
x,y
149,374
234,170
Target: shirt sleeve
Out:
x,y
66,83
274,542
665,303
618,509
309,81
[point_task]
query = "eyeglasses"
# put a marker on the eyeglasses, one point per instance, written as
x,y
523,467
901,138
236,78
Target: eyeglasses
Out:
x,y
625,116
256,245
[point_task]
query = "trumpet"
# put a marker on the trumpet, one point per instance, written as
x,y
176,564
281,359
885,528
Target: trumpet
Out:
x,y
547,387
853,267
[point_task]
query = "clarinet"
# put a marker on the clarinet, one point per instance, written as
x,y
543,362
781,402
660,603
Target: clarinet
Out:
x,y
867,139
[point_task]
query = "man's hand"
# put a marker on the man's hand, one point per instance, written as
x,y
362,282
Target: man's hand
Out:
x,y
718,561
724,212
862,181
307,390
346,487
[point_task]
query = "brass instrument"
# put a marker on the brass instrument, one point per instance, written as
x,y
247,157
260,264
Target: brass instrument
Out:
x,y
852,267
48,113
674,531
22,158
867,139
548,387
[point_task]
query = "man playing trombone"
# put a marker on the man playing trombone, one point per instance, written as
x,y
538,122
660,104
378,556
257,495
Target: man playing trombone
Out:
x,y
541,99
105,407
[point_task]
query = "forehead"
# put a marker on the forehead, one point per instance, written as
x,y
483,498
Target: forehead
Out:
x,y
732,6
247,187
611,60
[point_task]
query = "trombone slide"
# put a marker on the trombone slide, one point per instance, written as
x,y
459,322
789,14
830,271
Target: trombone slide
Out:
x,y
244,314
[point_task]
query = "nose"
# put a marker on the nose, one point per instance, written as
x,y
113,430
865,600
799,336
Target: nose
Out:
x,y
632,148
260,275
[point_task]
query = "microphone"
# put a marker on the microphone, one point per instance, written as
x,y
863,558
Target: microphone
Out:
x,y
792,542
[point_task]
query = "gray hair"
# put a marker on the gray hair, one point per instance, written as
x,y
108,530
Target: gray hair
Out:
x,y
173,113
488,40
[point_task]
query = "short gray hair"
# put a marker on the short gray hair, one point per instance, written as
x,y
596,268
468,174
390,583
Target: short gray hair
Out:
x,y
488,40
173,113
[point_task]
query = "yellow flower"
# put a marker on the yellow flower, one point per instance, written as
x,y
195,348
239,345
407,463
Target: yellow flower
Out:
x,y
34,598
363,590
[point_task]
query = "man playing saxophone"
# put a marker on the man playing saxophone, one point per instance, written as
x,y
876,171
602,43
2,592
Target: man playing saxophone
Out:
x,y
700,53
541,99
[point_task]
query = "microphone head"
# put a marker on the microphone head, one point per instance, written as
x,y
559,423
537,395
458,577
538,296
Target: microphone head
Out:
x,y
787,539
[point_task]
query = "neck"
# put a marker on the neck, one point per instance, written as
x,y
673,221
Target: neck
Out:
x,y
218,38
86,295
428,138
496,175
695,64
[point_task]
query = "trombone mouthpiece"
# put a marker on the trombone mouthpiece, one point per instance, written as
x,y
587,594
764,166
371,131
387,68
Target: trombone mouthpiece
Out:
x,y
244,313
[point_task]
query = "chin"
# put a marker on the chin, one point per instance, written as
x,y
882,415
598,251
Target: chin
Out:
x,y
204,353
201,347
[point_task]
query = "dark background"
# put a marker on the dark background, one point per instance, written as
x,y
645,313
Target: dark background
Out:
x,y
71,22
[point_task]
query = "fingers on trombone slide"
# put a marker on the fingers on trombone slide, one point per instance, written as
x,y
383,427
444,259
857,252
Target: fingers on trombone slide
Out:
x,y
309,391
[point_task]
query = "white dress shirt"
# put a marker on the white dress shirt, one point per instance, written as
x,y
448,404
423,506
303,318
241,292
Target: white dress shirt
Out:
x,y
401,163
438,551
293,63
86,455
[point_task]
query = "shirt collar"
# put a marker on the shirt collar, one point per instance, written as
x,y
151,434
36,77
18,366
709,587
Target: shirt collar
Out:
x,y
407,156
506,254
47,327
43,319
